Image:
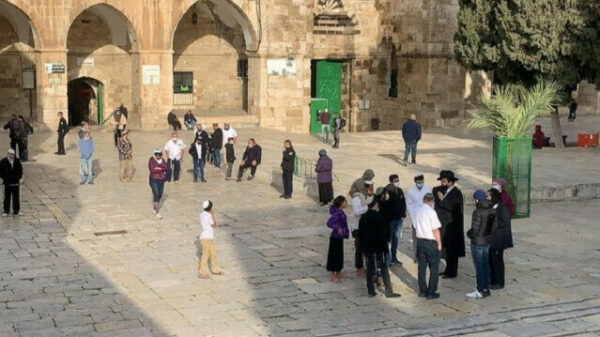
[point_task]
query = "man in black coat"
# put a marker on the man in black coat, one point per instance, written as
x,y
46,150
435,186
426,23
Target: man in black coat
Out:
x,y
250,159
216,145
374,233
450,209
395,210
16,130
198,150
287,166
62,130
11,172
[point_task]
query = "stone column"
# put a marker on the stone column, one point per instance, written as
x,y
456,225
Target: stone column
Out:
x,y
257,82
51,89
155,93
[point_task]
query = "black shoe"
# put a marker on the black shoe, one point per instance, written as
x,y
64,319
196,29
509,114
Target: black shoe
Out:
x,y
287,197
392,295
496,287
448,276
282,196
485,293
396,261
433,296
442,273
422,295
195,180
372,294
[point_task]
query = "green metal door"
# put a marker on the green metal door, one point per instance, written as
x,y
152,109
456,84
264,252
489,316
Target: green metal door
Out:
x,y
100,103
316,105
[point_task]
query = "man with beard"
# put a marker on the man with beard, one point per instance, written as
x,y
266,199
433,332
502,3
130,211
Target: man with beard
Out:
x,y
449,207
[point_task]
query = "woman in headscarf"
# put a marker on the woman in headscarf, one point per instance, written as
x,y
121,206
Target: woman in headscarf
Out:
x,y
324,177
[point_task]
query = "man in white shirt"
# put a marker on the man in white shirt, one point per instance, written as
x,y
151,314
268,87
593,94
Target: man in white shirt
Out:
x,y
429,245
414,196
174,154
360,205
229,132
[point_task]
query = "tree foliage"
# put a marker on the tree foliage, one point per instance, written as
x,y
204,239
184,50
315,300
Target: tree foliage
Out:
x,y
524,41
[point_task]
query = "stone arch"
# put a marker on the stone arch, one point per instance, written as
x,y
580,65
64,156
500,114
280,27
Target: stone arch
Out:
x,y
230,12
18,14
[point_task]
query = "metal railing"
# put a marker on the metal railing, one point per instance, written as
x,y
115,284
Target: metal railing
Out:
x,y
304,168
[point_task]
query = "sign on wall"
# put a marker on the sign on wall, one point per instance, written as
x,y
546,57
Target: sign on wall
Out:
x,y
55,68
281,67
86,61
150,74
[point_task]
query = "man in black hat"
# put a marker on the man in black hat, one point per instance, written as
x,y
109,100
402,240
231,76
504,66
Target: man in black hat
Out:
x,y
450,209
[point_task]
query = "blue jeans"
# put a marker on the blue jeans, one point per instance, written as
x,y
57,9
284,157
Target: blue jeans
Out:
x,y
396,234
85,169
198,168
410,147
157,187
325,133
216,157
190,125
481,260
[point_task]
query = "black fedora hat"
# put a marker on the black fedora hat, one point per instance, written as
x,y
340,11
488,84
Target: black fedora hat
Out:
x,y
448,175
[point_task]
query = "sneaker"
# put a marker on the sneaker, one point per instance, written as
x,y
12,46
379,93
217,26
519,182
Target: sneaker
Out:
x,y
433,296
203,180
158,216
403,163
396,261
4,215
17,214
250,177
475,294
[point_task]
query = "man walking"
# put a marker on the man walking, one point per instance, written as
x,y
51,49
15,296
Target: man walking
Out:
x,y
324,117
216,145
449,207
125,157
16,131
337,128
395,209
63,128
198,151
250,159
426,226
11,172
86,150
174,152
411,132
287,166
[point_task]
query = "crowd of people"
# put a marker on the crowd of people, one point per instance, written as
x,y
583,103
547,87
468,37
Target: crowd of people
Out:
x,y
437,222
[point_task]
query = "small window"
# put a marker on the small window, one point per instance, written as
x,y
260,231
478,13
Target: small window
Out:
x,y
242,68
183,82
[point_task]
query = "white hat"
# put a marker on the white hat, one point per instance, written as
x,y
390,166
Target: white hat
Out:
x,y
11,151
369,182
206,204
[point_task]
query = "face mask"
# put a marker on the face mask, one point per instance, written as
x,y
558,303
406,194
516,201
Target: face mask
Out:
x,y
86,138
174,140
397,184
420,185
497,187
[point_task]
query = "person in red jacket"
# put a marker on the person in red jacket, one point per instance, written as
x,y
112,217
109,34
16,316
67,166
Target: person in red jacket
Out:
x,y
158,174
538,137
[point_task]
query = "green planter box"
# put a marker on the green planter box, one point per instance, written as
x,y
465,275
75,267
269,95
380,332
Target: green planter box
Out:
x,y
512,161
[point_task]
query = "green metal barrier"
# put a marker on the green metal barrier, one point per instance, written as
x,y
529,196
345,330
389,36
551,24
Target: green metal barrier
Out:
x,y
304,168
512,161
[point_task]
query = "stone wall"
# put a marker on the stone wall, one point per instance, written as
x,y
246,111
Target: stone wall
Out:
x,y
14,57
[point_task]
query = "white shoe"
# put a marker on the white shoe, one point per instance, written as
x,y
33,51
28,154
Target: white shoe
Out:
x,y
475,294
17,214
4,215
158,216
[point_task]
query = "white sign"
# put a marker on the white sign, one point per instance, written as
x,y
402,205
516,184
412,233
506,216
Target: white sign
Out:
x,y
85,61
281,67
150,74
55,68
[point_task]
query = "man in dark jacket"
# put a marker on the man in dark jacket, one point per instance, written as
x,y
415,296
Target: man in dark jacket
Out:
x,y
411,132
287,166
16,132
11,172
198,151
62,130
449,207
395,210
250,159
216,145
481,237
23,138
374,234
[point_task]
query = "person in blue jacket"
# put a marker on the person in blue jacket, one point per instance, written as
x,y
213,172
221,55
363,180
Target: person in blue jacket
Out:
x,y
411,132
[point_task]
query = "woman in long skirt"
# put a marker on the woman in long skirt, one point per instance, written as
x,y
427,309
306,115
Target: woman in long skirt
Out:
x,y
339,231
324,177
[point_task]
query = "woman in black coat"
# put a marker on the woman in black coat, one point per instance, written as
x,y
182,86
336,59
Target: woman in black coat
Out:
x,y
501,240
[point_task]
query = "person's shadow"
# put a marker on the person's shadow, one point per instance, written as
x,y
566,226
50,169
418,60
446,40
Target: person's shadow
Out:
x,y
96,168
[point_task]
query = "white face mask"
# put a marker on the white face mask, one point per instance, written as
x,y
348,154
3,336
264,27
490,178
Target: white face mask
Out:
x,y
397,184
174,140
497,187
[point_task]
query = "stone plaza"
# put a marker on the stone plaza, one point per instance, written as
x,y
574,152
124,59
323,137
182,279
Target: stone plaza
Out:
x,y
93,260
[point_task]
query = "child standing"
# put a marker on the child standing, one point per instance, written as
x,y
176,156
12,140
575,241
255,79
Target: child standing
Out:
x,y
207,240
229,157
340,231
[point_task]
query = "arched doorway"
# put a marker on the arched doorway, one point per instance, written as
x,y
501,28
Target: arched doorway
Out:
x,y
102,57
86,101
17,63
210,61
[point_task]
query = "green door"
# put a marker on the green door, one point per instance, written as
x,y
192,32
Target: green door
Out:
x,y
328,89
100,103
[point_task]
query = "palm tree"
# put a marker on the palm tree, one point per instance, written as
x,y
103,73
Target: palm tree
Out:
x,y
512,110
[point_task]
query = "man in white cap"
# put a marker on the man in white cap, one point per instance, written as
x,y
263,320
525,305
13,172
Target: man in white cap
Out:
x,y
208,223
174,153
11,172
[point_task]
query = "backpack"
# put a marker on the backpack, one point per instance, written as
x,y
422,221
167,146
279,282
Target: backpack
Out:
x,y
28,128
342,123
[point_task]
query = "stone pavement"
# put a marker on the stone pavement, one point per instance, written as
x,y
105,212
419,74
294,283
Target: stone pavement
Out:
x,y
59,278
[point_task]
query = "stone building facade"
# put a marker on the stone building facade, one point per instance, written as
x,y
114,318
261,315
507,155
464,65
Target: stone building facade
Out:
x,y
250,58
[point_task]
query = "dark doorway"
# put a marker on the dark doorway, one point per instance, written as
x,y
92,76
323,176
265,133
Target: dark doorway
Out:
x,y
85,103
